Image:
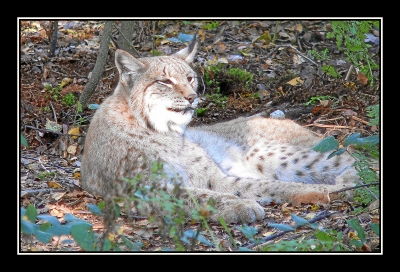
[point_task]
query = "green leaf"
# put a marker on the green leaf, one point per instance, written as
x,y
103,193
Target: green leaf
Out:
x,y
23,141
51,219
71,218
329,143
44,227
28,227
375,228
282,227
204,240
248,231
330,70
106,246
83,235
336,153
31,213
323,236
117,210
223,223
94,209
245,249
370,140
352,139
42,236
299,220
356,226
132,246
59,230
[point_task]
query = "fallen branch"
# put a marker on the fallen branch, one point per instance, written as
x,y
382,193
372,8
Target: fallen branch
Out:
x,y
324,214
354,187
58,133
304,56
42,191
328,126
66,170
349,72
359,120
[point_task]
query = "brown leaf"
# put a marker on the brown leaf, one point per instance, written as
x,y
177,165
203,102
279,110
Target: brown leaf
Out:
x,y
362,79
220,47
53,184
295,81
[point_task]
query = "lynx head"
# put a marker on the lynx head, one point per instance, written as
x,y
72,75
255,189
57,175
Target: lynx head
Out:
x,y
161,91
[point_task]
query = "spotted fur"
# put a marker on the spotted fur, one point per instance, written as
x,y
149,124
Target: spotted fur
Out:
x,y
241,164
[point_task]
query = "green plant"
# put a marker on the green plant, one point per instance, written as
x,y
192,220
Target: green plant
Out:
x,y
329,69
218,98
374,113
316,240
47,175
322,55
200,111
44,227
317,99
23,141
351,34
54,91
366,153
211,25
239,75
359,240
142,194
232,77
69,99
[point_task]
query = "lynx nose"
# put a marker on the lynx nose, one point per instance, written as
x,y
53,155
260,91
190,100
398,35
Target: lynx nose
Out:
x,y
191,98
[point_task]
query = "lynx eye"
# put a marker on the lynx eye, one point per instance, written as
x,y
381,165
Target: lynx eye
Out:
x,y
166,81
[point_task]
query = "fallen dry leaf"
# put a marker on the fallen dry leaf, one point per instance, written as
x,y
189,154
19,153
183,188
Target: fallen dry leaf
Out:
x,y
362,79
57,196
72,149
295,81
53,184
74,131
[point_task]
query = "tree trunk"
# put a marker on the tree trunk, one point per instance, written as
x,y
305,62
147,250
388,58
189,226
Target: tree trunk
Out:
x,y
124,41
99,65
53,38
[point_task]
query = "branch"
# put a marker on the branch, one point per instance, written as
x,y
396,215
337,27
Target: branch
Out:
x,y
324,214
66,170
354,187
99,65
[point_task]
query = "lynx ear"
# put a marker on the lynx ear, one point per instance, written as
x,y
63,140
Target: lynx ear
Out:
x,y
188,53
126,63
128,67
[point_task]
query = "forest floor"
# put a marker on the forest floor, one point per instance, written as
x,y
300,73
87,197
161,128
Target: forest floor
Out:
x,y
287,74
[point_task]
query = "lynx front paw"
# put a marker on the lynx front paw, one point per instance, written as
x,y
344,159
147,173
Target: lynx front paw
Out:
x,y
239,211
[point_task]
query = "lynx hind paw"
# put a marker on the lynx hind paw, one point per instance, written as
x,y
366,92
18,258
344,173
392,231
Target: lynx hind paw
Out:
x,y
239,211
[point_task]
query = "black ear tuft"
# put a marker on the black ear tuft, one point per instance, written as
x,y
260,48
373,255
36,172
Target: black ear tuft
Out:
x,y
193,42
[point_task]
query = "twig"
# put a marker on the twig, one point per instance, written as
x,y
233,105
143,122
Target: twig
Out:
x,y
66,170
58,133
349,72
301,54
359,120
42,191
328,126
322,215
355,187
54,112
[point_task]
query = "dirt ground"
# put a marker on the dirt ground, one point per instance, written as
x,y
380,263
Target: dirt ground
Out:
x,y
47,116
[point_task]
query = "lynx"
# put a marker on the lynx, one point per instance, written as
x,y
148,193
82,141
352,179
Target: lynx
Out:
x,y
241,164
